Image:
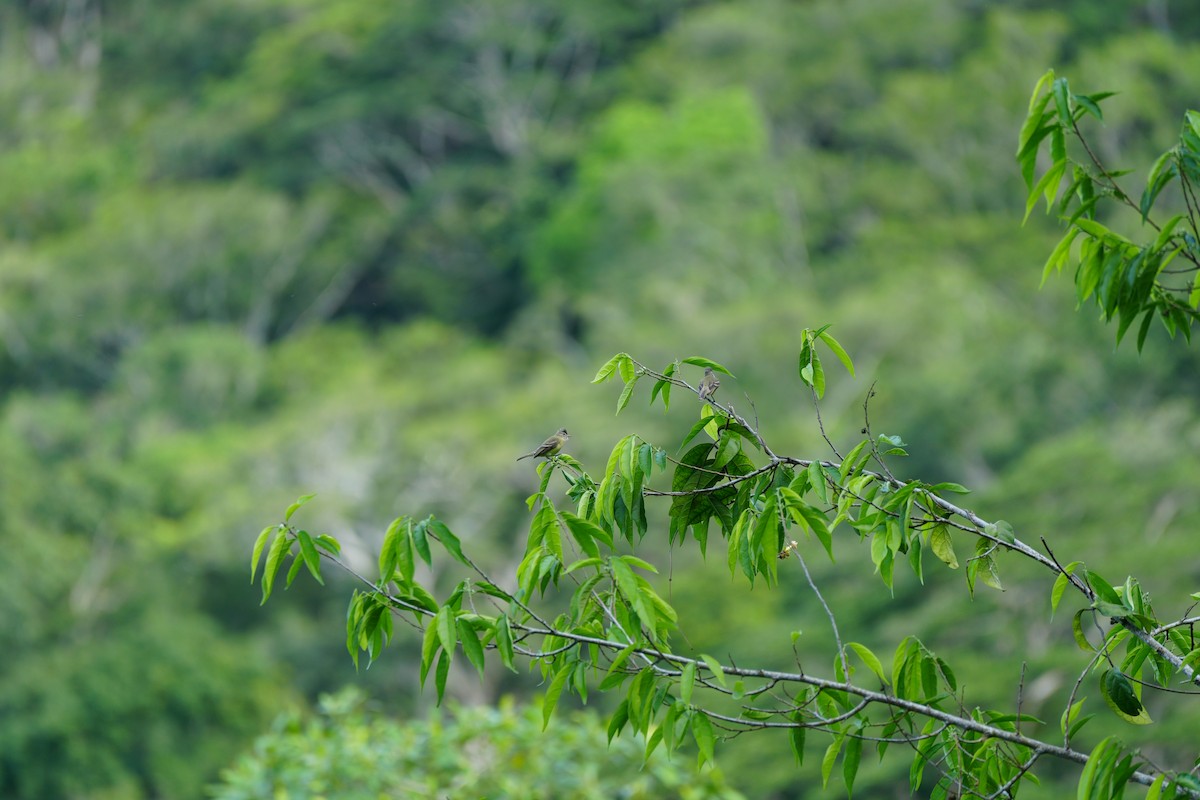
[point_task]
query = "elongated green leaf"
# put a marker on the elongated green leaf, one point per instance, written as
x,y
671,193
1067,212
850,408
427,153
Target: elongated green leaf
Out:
x,y
699,361
554,691
1059,254
850,763
1088,105
1104,591
1077,630
312,559
1118,691
813,373
389,552
504,642
687,682
796,738
829,759
472,647
448,540
429,648
441,674
702,732
838,350
1096,778
296,505
618,720
259,543
868,658
942,546
854,459
714,667
609,368
275,555
1061,92
630,590
446,629
1043,82
328,544
421,542
626,393
586,534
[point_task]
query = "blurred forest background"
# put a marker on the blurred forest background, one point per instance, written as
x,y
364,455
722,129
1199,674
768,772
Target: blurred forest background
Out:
x,y
251,249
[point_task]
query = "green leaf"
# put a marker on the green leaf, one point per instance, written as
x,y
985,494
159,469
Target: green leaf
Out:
x,y
1001,530
279,549
586,534
699,361
634,561
618,720
609,368
626,393
1042,83
1069,716
471,646
796,738
714,667
553,693
1056,593
728,446
687,682
1077,630
259,543
838,350
702,732
1061,93
816,479
630,590
328,544
448,540
812,373
1168,229
1047,186
429,648
626,369
1089,105
446,629
852,461
504,642
942,546
294,570
421,542
868,658
1119,693
312,559
1160,175
829,759
296,505
1103,590
441,674
850,763
388,552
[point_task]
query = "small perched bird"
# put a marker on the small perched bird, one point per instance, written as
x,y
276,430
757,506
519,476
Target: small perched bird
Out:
x,y
551,446
709,384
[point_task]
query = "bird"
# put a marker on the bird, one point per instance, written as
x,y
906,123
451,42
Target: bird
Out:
x,y
551,446
709,384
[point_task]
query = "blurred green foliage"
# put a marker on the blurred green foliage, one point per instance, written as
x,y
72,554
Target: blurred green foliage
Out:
x,y
254,249
349,752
